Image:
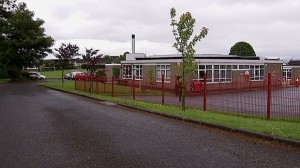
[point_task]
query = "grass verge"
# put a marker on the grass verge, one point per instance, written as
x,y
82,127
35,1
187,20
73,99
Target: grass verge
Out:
x,y
4,80
279,128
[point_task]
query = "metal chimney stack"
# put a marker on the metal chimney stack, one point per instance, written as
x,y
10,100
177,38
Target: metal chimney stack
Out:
x,y
133,43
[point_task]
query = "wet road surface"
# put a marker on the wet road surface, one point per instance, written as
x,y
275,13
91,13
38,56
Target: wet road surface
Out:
x,y
40,127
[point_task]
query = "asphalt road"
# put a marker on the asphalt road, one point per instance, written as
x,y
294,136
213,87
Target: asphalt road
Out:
x,y
40,127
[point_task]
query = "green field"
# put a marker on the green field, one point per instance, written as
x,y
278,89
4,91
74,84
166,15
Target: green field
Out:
x,y
57,73
279,128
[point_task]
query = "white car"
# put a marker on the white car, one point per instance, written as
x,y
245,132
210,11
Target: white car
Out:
x,y
37,75
73,74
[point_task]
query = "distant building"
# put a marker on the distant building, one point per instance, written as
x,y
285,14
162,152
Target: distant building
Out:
x,y
291,71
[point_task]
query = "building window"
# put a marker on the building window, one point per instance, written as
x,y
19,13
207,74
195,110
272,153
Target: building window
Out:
x,y
257,72
244,67
287,73
201,70
214,73
163,69
127,71
222,73
138,72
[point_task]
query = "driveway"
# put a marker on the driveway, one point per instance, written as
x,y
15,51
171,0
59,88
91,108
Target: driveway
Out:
x,y
44,128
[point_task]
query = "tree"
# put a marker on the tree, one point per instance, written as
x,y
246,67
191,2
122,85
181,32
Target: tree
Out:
x,y
92,58
242,49
107,59
121,57
6,8
182,31
66,52
22,39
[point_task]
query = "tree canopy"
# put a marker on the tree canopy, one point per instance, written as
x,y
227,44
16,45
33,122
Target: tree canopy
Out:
x,y
242,48
92,58
121,57
22,39
65,53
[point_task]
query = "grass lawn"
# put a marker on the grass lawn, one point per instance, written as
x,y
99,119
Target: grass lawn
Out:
x,y
280,128
57,73
4,80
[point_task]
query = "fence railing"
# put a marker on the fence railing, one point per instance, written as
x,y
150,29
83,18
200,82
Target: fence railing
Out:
x,y
267,97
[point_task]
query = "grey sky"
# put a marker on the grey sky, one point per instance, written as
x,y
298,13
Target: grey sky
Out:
x,y
272,27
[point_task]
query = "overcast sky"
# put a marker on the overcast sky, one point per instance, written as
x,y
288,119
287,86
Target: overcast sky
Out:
x,y
272,27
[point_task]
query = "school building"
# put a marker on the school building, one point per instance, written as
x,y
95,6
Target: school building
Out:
x,y
221,70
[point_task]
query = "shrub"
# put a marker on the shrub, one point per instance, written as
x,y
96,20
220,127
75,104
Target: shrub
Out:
x,y
116,71
3,72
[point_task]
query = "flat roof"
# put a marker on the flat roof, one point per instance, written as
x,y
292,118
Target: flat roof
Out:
x,y
196,56
201,58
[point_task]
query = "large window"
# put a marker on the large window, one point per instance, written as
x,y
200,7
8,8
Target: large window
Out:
x,y
128,70
201,70
215,73
138,72
222,73
287,73
163,69
257,72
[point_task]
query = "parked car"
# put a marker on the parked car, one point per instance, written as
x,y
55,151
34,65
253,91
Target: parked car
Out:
x,y
73,74
68,76
36,75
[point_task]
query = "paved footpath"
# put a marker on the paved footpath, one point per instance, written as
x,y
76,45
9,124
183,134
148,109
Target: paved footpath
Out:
x,y
44,128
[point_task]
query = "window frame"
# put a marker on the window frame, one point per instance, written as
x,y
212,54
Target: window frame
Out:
x,y
166,68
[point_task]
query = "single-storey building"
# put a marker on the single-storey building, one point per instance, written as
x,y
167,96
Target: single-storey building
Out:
x,y
291,71
221,70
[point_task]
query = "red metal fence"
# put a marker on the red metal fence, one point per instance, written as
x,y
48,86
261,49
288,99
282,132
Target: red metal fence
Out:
x,y
266,96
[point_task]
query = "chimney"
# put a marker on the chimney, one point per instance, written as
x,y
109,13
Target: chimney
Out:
x,y
133,43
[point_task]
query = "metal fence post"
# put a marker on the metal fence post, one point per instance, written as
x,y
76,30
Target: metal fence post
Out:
x,y
204,92
269,96
84,84
97,87
162,89
75,84
133,87
112,86
104,83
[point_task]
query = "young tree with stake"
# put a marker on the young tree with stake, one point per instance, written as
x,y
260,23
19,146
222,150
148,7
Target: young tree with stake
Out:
x,y
92,58
182,31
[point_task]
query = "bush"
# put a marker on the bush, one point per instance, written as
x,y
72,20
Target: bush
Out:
x,y
3,72
25,75
85,66
101,73
14,72
116,71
